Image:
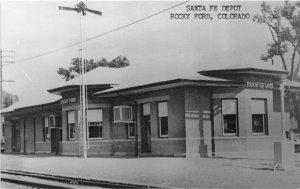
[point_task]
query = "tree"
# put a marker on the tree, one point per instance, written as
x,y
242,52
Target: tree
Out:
x,y
8,99
284,26
74,69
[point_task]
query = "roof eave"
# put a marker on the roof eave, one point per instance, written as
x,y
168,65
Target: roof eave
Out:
x,y
30,107
253,71
166,85
67,88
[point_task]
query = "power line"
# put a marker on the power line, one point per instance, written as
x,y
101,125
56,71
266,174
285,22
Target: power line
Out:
x,y
135,22
47,53
102,34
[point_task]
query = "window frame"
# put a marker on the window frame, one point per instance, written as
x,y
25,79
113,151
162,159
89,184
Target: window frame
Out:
x,y
237,118
128,130
159,120
264,116
46,129
52,118
68,124
101,125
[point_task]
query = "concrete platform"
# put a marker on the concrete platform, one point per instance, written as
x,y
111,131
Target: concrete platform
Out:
x,y
163,172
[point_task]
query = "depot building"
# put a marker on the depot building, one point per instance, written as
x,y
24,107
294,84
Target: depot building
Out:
x,y
166,109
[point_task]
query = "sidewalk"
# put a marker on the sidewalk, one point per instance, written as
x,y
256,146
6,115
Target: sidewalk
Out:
x,y
168,172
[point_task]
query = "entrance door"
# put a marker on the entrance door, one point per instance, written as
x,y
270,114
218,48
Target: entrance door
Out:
x,y
54,140
56,137
146,134
59,148
16,138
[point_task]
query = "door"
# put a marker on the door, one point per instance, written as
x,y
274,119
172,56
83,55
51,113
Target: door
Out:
x,y
34,136
146,134
56,137
59,145
16,138
54,140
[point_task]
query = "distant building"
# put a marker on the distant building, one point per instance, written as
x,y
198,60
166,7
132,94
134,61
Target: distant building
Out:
x,y
179,111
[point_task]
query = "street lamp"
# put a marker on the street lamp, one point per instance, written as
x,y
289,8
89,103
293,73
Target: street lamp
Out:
x,y
81,8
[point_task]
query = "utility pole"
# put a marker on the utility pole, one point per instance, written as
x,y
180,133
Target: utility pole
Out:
x,y
6,57
81,9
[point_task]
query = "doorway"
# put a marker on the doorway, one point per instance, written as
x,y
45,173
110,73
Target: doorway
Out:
x,y
146,129
56,137
16,138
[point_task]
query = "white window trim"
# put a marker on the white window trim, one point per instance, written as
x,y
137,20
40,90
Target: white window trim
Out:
x,y
264,127
96,138
223,127
53,117
160,135
99,138
264,121
236,120
70,132
98,121
145,113
46,139
159,120
128,131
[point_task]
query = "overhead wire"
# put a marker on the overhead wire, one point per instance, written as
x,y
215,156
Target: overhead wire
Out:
x,y
102,34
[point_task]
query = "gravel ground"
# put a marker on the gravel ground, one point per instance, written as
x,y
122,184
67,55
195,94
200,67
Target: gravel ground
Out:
x,y
171,172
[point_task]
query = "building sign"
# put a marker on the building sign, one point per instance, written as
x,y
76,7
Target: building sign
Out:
x,y
259,85
68,100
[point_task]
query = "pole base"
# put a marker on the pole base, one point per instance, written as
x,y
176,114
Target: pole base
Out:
x,y
284,155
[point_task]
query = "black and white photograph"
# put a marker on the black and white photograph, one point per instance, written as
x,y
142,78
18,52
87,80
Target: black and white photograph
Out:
x,y
149,94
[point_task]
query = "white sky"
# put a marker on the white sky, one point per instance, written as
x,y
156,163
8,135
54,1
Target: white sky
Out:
x,y
31,28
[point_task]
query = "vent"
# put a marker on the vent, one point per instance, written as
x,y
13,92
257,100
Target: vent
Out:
x,y
122,114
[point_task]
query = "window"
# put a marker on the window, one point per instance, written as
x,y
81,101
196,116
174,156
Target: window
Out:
x,y
52,121
259,116
58,121
146,109
71,125
230,116
46,132
95,123
131,130
122,114
163,119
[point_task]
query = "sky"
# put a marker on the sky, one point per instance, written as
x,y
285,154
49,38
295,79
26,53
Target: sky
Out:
x,y
33,28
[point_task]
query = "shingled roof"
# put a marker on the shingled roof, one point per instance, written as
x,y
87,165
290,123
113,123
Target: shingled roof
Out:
x,y
163,71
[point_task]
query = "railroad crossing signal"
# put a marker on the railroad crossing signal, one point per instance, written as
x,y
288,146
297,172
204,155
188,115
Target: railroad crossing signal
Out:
x,y
81,7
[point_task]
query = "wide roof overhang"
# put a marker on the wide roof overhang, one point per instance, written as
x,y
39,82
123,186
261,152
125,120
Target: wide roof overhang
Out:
x,y
279,74
167,85
18,110
69,88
